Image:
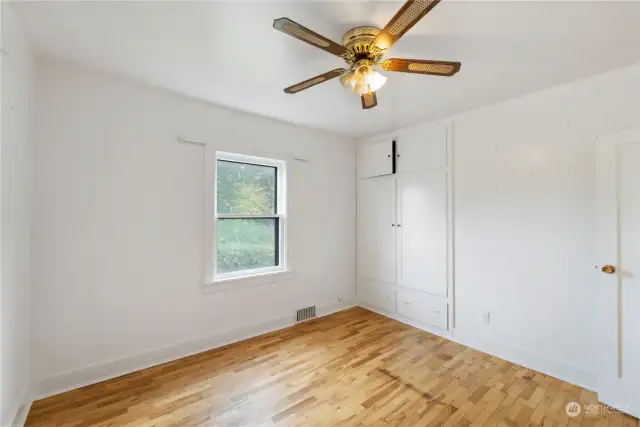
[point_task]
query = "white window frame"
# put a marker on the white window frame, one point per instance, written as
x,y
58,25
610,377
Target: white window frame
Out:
x,y
213,216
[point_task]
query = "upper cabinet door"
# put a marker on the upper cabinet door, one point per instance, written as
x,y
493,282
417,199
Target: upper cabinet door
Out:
x,y
422,220
377,229
421,148
375,159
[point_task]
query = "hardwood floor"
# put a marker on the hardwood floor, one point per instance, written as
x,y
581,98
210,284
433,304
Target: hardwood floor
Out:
x,y
353,368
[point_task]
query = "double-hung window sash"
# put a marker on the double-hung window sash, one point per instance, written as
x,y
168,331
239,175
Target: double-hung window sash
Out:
x,y
250,217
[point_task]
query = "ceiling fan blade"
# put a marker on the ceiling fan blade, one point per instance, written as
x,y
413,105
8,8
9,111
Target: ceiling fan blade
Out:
x,y
369,100
315,80
296,30
408,16
422,66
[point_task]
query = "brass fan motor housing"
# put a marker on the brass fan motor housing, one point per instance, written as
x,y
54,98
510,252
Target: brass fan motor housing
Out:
x,y
359,43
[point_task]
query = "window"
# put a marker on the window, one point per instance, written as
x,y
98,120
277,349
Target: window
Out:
x,y
249,216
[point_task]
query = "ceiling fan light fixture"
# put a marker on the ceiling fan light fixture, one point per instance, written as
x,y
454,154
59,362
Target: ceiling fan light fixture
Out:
x,y
375,80
363,49
363,80
346,78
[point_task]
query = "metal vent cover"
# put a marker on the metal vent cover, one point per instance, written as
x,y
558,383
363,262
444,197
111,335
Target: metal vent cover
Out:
x,y
306,313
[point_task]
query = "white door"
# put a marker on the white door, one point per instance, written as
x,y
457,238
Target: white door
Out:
x,y
618,297
377,229
422,231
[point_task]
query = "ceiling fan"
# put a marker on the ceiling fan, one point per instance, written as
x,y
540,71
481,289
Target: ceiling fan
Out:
x,y
363,49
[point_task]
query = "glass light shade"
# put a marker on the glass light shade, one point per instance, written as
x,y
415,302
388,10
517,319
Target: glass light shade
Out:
x,y
375,81
346,78
363,80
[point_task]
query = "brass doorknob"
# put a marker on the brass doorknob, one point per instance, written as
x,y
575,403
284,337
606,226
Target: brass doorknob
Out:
x,y
609,269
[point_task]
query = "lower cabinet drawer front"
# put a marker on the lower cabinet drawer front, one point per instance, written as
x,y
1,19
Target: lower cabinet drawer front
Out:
x,y
378,295
423,308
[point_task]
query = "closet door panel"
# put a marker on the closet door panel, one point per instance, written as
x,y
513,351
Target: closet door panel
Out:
x,y
375,159
421,149
377,231
423,231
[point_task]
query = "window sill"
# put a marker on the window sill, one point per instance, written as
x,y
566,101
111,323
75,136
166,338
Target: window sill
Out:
x,y
231,283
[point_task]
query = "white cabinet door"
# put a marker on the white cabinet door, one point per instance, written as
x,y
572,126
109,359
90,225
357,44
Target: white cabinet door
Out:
x,y
421,148
375,159
377,231
422,227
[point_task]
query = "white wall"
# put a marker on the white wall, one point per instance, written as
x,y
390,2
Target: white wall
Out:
x,y
119,223
524,221
16,167
524,215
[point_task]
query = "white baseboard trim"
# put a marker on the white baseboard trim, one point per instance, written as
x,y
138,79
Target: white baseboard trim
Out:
x,y
21,414
536,362
548,366
77,378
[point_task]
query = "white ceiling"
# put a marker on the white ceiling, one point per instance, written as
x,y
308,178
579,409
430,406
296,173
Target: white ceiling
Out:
x,y
226,52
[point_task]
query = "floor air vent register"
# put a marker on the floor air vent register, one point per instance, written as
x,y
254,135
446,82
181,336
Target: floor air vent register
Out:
x,y
306,313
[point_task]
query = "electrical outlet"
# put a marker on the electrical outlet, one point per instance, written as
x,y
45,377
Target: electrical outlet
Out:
x,y
339,297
